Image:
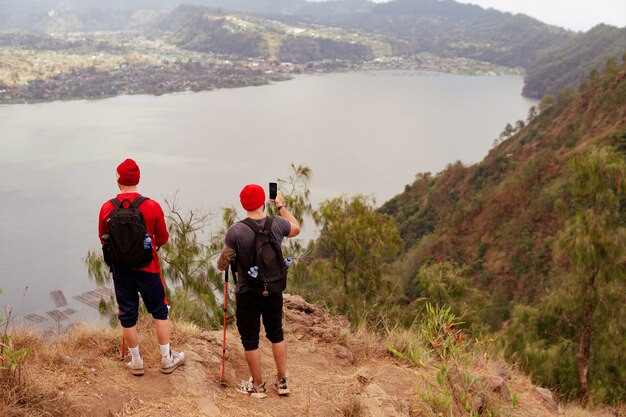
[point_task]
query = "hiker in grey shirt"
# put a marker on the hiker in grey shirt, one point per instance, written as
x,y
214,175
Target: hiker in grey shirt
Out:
x,y
254,304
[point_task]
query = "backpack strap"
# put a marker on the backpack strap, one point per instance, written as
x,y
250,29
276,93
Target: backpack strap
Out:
x,y
137,201
135,204
266,229
116,203
251,224
267,226
255,228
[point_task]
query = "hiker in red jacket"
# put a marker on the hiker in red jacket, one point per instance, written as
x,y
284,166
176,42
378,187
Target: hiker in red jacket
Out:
x,y
147,281
253,304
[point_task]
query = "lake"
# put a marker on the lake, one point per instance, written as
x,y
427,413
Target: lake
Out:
x,y
359,132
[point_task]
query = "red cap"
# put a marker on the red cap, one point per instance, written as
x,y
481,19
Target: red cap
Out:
x,y
252,197
128,173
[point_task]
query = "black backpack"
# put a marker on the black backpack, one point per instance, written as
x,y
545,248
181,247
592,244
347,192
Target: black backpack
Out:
x,y
124,245
268,256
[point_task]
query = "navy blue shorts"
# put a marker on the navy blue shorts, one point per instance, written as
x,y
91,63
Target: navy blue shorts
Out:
x,y
251,307
129,283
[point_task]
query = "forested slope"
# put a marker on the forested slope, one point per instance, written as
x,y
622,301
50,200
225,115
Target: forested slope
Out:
x,y
555,68
535,235
211,30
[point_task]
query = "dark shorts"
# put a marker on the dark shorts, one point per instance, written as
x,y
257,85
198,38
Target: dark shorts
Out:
x,y
129,284
251,307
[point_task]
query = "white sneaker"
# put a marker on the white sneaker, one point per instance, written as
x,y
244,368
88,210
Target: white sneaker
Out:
x,y
248,388
176,359
282,386
135,366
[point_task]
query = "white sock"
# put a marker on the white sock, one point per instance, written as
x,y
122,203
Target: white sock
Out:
x,y
165,350
134,353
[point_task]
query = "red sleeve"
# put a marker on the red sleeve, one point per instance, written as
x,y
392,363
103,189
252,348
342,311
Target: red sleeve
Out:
x,y
105,210
161,234
156,227
155,222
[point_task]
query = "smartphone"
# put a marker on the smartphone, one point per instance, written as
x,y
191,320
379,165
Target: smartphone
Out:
x,y
273,190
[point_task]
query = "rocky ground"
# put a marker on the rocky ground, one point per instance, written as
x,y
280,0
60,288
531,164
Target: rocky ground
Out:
x,y
334,371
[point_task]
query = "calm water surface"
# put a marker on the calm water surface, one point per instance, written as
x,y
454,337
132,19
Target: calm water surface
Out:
x,y
366,133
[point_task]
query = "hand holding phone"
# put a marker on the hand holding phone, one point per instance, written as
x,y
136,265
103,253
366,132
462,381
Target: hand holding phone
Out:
x,y
273,190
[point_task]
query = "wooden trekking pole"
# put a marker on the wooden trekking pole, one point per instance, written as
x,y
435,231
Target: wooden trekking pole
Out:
x,y
222,380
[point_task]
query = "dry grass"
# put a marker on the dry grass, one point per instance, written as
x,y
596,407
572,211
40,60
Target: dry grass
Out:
x,y
24,392
409,343
576,411
80,374
31,398
352,409
365,344
58,377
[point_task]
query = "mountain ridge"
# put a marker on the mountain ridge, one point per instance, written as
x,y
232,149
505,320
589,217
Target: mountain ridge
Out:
x,y
553,57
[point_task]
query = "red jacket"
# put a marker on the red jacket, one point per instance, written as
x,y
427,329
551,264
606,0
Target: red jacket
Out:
x,y
155,225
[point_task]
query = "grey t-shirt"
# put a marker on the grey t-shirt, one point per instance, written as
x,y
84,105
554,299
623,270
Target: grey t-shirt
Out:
x,y
241,238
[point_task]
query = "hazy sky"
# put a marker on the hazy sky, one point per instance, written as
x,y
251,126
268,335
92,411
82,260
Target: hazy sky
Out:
x,y
570,14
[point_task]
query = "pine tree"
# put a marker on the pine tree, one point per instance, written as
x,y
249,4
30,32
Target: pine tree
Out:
x,y
357,240
592,242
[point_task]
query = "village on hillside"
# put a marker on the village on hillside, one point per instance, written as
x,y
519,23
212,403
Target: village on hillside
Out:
x,y
97,65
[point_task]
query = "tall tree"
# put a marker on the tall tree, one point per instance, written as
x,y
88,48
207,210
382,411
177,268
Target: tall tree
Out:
x,y
297,196
592,243
357,240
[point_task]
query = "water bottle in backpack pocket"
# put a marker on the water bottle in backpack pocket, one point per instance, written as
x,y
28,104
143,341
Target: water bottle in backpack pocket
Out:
x,y
147,242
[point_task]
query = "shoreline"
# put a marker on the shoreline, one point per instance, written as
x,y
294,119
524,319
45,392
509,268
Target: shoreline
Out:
x,y
93,83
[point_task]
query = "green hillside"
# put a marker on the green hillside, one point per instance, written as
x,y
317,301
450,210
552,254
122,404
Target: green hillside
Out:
x,y
203,30
519,228
444,27
209,30
553,57
498,215
555,68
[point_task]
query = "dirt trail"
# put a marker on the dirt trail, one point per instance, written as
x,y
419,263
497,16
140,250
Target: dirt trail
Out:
x,y
332,371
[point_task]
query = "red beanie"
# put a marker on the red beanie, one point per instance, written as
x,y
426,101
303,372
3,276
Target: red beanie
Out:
x,y
252,197
128,173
